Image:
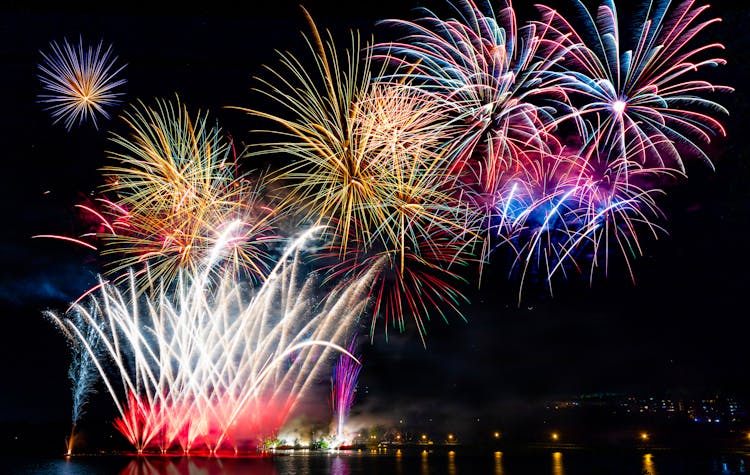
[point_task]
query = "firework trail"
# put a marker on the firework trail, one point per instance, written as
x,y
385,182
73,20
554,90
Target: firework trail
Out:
x,y
343,388
81,82
202,365
82,374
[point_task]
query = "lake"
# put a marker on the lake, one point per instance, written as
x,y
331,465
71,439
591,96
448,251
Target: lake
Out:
x,y
407,462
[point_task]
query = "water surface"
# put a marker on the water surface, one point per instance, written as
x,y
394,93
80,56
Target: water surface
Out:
x,y
542,462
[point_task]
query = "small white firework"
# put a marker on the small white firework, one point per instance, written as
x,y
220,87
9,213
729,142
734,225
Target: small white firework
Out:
x,y
80,82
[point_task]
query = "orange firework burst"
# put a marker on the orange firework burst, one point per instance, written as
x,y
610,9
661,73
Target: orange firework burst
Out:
x,y
371,166
177,200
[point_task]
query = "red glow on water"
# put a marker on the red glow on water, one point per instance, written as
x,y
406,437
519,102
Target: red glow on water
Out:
x,y
263,465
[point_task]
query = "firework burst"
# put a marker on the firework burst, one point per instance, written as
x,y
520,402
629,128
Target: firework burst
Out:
x,y
565,212
80,82
370,166
646,102
485,70
489,74
177,198
334,179
519,96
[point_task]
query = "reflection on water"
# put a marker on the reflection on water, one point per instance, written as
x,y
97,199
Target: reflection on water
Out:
x,y
648,465
339,466
206,466
451,463
723,465
557,464
398,462
499,463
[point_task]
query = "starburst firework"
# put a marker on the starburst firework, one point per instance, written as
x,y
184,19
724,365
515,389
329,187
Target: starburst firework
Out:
x,y
371,165
80,82
177,198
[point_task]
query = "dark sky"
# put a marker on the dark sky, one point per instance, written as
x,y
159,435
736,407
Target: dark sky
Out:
x,y
682,327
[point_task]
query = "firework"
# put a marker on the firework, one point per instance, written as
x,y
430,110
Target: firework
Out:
x,y
175,192
81,373
475,133
343,388
560,147
80,82
358,144
635,117
210,366
646,102
483,68
334,180
370,165
563,212
489,74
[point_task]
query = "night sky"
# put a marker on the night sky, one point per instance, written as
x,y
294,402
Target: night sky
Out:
x,y
682,328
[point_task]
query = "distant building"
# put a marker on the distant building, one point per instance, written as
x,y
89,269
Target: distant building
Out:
x,y
718,409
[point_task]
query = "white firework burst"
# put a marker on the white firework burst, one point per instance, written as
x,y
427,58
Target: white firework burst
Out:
x,y
80,82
